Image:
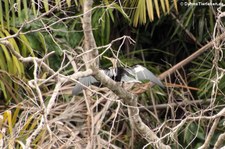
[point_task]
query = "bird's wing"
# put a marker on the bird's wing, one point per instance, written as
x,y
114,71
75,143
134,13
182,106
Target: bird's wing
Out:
x,y
143,73
129,76
83,82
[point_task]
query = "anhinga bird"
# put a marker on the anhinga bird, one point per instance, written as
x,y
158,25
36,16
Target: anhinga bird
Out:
x,y
137,73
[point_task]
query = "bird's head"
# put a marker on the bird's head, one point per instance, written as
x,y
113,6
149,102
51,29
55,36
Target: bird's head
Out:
x,y
114,61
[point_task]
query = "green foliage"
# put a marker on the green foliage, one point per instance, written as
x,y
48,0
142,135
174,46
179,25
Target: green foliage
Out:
x,y
14,137
102,20
190,134
139,15
9,9
101,26
11,67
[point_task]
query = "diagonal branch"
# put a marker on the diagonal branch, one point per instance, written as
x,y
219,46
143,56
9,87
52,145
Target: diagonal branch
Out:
x,y
131,101
191,57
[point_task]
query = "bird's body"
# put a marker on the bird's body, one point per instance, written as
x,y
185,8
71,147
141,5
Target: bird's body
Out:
x,y
136,73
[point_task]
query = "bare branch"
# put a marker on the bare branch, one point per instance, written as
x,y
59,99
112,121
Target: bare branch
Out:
x,y
210,135
220,141
131,101
89,41
190,58
41,63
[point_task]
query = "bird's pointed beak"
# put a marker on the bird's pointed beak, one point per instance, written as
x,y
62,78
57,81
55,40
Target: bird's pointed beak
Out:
x,y
108,58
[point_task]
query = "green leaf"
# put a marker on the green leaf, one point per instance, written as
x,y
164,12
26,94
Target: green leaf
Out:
x,y
26,47
3,89
68,3
46,5
201,26
7,14
140,15
117,7
19,10
25,9
1,16
34,8
175,5
19,69
157,8
167,6
163,6
13,16
150,10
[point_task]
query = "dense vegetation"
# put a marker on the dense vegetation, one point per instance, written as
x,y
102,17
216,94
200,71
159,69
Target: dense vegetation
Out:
x,y
42,55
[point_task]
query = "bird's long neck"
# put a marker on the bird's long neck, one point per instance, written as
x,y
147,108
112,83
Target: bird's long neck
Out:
x,y
118,73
